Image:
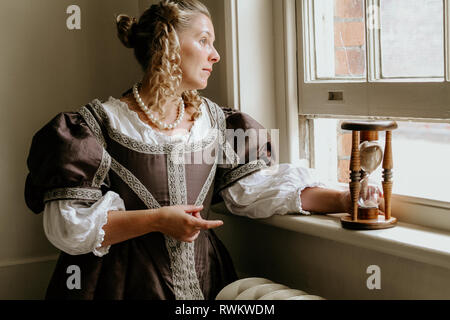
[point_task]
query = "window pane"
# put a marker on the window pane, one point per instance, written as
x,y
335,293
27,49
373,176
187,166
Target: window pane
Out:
x,y
422,157
412,38
339,39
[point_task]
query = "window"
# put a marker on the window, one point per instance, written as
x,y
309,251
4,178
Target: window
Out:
x,y
338,39
378,59
404,54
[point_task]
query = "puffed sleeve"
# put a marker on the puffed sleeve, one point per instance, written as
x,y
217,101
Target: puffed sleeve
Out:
x,y
65,162
247,148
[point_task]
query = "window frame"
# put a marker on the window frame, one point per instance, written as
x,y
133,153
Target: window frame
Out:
x,y
447,38
380,99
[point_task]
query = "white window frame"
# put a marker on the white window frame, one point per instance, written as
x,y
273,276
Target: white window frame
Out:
x,y
447,37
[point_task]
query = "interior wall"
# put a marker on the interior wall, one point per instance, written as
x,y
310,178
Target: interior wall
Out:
x,y
256,56
46,69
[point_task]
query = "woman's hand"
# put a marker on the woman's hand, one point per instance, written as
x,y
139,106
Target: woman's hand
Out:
x,y
183,222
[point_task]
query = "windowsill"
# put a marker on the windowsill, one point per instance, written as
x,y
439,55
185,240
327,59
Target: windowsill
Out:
x,y
416,211
423,244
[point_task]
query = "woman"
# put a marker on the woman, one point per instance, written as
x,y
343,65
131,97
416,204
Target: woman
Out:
x,y
121,197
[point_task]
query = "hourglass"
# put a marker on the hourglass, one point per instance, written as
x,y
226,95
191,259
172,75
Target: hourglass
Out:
x,y
367,155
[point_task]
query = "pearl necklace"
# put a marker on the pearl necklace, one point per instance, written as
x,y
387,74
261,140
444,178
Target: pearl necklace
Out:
x,y
156,121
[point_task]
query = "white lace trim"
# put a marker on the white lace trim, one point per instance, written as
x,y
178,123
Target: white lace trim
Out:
x,y
153,148
93,125
100,251
298,201
72,193
241,171
181,254
182,264
202,195
102,170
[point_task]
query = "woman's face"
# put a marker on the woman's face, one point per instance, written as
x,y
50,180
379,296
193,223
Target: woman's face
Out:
x,y
198,54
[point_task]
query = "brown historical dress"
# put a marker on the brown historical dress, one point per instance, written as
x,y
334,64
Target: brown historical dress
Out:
x,y
80,156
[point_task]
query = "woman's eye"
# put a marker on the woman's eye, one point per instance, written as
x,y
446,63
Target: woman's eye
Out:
x,y
203,41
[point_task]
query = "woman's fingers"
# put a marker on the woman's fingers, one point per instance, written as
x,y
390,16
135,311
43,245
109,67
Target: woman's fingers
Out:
x,y
197,215
200,223
185,222
193,237
192,209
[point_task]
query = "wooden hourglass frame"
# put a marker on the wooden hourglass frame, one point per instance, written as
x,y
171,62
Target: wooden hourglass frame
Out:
x,y
361,219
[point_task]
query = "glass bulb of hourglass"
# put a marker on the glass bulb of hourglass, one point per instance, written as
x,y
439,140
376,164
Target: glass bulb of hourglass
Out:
x,y
369,194
371,157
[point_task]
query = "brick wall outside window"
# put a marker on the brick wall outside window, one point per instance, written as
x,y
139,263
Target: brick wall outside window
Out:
x,y
349,40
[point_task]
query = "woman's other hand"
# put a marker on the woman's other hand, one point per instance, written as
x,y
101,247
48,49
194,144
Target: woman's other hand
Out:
x,y
183,222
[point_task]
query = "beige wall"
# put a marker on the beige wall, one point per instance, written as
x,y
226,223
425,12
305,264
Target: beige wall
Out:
x,y
256,60
45,69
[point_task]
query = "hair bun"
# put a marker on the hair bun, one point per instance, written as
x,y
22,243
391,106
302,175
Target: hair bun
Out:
x,y
125,29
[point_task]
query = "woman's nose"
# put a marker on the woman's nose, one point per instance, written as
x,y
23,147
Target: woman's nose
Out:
x,y
214,57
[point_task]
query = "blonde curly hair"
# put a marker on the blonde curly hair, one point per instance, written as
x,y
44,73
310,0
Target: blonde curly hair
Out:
x,y
157,48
